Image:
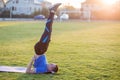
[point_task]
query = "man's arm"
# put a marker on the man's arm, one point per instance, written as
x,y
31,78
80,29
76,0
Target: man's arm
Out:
x,y
29,66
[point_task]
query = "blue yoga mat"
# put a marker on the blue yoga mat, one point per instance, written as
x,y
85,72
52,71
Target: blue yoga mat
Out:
x,y
12,69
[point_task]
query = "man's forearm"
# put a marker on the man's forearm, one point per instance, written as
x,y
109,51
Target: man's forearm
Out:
x,y
29,66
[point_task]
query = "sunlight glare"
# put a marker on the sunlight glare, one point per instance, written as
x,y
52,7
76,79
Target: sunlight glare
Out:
x,y
109,2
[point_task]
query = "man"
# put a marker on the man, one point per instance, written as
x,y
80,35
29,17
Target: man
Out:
x,y
40,63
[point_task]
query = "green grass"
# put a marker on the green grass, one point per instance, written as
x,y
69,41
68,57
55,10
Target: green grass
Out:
x,y
83,50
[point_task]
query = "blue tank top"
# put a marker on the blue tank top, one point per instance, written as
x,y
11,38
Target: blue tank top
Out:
x,y
40,64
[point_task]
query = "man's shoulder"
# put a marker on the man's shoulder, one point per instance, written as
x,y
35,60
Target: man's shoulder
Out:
x,y
41,58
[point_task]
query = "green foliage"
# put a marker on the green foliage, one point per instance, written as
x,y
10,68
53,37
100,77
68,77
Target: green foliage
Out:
x,y
45,11
36,13
71,15
83,51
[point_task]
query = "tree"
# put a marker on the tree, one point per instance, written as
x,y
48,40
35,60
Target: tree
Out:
x,y
36,13
45,11
71,8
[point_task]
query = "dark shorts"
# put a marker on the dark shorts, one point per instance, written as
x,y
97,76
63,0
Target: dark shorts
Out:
x,y
40,48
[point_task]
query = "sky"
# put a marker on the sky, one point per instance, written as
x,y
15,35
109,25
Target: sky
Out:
x,y
75,3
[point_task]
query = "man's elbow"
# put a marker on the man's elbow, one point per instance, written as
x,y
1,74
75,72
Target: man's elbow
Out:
x,y
27,71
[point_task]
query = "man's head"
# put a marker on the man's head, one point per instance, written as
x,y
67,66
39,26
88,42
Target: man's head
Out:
x,y
53,68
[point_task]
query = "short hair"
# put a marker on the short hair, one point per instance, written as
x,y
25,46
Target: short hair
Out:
x,y
55,69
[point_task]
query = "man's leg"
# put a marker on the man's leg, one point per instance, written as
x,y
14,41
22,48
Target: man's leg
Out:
x,y
42,45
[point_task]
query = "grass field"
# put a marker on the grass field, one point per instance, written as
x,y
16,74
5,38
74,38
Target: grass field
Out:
x,y
83,50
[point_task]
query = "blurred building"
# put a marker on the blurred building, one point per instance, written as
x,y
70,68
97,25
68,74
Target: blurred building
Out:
x,y
25,7
88,6
96,9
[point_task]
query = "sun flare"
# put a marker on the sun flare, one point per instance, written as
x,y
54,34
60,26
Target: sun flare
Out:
x,y
109,2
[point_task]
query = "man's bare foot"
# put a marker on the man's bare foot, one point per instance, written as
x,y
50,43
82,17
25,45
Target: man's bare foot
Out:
x,y
54,7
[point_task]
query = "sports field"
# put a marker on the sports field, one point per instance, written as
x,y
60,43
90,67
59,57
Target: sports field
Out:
x,y
83,50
